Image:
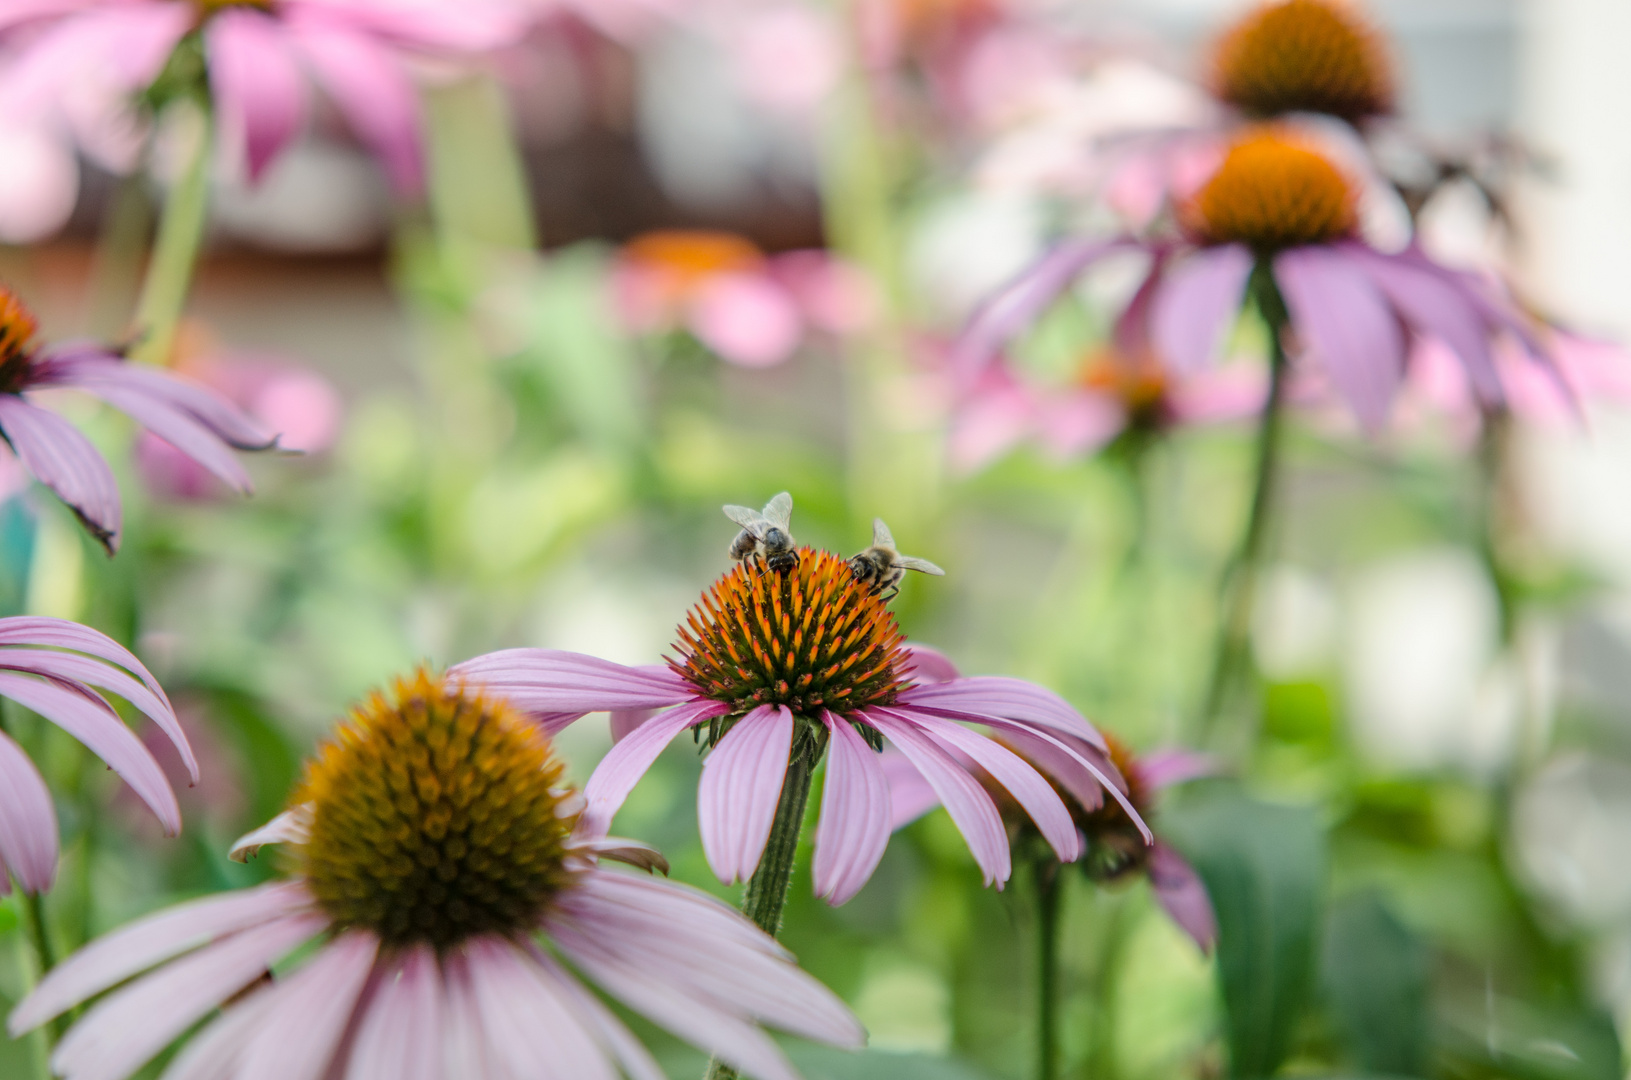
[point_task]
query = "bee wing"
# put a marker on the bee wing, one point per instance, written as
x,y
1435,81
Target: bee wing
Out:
x,y
923,566
748,519
881,536
779,511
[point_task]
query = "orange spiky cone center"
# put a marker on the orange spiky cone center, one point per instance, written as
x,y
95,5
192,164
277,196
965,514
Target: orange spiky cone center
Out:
x,y
1138,383
811,638
1304,56
436,814
1272,192
17,330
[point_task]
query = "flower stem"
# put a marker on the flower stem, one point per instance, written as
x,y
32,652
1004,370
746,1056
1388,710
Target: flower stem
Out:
x,y
175,250
766,894
39,935
1047,967
1239,585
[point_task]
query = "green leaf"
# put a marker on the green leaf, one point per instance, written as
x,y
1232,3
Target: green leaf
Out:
x,y
1263,866
1375,975
1533,1041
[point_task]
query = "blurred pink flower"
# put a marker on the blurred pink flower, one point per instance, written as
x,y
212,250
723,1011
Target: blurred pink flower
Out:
x,y
38,186
788,55
258,56
61,670
191,418
751,309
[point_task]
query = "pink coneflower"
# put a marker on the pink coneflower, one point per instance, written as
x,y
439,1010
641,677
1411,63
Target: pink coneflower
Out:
x,y
775,669
258,55
435,862
194,420
1281,217
39,672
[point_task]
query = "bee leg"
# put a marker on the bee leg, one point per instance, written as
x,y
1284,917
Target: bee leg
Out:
x,y
889,594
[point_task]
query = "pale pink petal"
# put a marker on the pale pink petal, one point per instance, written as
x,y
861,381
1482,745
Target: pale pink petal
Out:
x,y
63,634
1062,765
630,1052
1028,787
556,681
93,722
125,1030
431,25
910,795
257,84
464,1044
181,430
92,369
1131,334
628,760
741,784
214,1052
69,667
993,418
289,827
1232,392
624,721
1015,699
64,460
1165,768
400,1037
123,47
373,90
1197,302
1183,895
926,664
970,807
1078,423
746,318
28,822
533,1028
1017,305
605,892
302,1027
137,946
1344,321
854,826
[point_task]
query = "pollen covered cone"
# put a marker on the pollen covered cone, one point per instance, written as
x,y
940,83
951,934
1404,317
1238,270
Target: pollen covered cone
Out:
x,y
17,330
1304,56
812,638
436,815
1272,192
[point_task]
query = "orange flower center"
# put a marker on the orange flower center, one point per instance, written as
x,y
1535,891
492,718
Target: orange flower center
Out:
x,y
1304,56
811,638
17,330
1270,193
1139,383
682,259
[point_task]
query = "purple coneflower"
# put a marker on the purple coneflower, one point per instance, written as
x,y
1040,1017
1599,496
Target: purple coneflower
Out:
x,y
39,672
196,421
773,671
435,862
258,54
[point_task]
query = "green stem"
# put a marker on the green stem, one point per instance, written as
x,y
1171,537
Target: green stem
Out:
x,y
1047,967
39,934
175,250
1239,585
1491,452
766,894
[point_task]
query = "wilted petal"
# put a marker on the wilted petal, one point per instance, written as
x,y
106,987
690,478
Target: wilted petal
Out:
x,y
741,784
1181,893
1197,302
1346,323
854,826
289,827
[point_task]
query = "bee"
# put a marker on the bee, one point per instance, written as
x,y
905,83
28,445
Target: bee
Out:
x,y
766,534
882,567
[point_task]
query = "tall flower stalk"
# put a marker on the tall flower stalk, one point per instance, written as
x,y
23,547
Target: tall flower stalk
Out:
x,y
180,235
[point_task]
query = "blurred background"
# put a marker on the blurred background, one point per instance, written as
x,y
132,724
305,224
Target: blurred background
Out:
x,y
657,271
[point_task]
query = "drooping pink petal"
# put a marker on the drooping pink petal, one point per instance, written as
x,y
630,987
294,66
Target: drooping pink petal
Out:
x,y
302,1027
123,47
28,823
373,91
741,784
1346,323
290,827
400,1034
126,1029
257,85
628,760
1028,787
910,795
69,667
556,681
1015,699
1019,303
63,634
1433,306
1165,768
631,1053
532,1027
1062,766
926,664
64,460
970,807
180,429
1132,330
93,722
1182,894
137,946
91,368
854,826
1197,302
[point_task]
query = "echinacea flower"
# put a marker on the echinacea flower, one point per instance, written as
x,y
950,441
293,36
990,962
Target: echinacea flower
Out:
x,y
776,669
1277,213
258,55
194,420
60,670
1313,56
752,309
436,868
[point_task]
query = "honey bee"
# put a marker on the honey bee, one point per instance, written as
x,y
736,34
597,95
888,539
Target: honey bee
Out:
x,y
766,534
882,567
